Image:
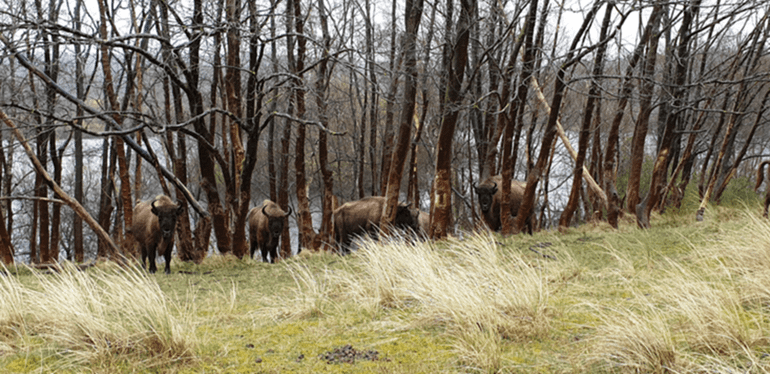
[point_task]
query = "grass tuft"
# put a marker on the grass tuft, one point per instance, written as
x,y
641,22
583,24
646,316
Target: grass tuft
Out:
x,y
105,315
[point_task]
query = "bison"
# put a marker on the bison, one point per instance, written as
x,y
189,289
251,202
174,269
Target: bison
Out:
x,y
423,220
153,228
265,228
490,197
760,178
364,216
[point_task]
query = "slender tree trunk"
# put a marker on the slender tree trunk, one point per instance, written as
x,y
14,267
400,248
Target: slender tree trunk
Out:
x,y
412,15
322,83
441,201
390,106
642,125
6,247
526,209
742,153
413,190
514,124
585,127
72,203
680,77
112,99
610,171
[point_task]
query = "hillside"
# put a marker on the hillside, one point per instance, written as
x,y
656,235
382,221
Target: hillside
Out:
x,y
681,297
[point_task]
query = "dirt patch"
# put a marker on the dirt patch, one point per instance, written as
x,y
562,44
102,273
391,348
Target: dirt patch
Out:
x,y
348,354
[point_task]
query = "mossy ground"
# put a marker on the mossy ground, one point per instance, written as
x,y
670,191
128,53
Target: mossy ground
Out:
x,y
239,311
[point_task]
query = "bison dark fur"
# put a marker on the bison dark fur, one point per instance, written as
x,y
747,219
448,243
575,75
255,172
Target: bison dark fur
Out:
x,y
364,216
760,179
265,227
490,197
153,228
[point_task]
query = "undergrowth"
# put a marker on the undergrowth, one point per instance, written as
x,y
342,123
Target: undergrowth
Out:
x,y
682,297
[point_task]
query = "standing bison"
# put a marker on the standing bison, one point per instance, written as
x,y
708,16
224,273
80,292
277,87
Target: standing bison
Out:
x,y
153,228
265,228
364,216
490,197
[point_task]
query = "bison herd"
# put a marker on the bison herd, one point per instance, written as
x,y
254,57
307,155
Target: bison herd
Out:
x,y
155,221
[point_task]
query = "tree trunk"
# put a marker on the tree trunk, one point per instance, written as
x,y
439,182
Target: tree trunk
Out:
x,y
112,99
514,122
441,201
395,62
660,167
585,127
610,171
412,15
526,209
72,203
640,130
322,84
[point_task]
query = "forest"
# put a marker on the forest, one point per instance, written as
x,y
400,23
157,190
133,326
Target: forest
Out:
x,y
604,109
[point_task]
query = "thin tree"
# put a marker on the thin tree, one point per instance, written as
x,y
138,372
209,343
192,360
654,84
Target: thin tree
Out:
x,y
441,201
412,15
611,151
587,121
679,91
549,134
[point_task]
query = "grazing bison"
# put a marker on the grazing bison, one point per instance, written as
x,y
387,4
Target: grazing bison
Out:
x,y
490,197
265,228
760,178
153,228
364,216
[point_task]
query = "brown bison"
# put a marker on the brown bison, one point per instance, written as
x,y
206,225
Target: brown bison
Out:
x,y
490,197
364,216
265,228
760,179
153,228
423,221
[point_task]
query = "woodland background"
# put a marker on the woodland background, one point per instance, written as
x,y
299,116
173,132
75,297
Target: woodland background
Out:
x,y
223,104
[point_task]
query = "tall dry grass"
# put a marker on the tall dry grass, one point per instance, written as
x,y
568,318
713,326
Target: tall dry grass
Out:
x,y
481,297
703,312
99,317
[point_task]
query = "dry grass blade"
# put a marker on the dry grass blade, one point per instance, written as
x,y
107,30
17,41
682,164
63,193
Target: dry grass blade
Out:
x,y
102,313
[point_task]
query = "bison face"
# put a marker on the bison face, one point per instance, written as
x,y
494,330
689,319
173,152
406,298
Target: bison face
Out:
x,y
407,217
275,225
486,194
167,215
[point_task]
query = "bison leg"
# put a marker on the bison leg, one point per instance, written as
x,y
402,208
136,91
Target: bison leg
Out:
x,y
167,256
252,246
273,254
144,257
151,255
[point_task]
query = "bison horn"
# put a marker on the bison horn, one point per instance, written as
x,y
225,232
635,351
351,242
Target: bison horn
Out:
x,y
287,214
263,210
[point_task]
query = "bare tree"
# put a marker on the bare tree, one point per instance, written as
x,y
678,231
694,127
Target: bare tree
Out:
x,y
412,15
440,211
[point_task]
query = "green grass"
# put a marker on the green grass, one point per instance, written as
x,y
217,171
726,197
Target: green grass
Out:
x,y
682,297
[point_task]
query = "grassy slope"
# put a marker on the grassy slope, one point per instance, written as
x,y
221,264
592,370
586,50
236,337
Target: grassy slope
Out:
x,y
682,297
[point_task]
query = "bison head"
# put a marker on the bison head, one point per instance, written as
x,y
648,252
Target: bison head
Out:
x,y
167,214
407,217
275,223
486,194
